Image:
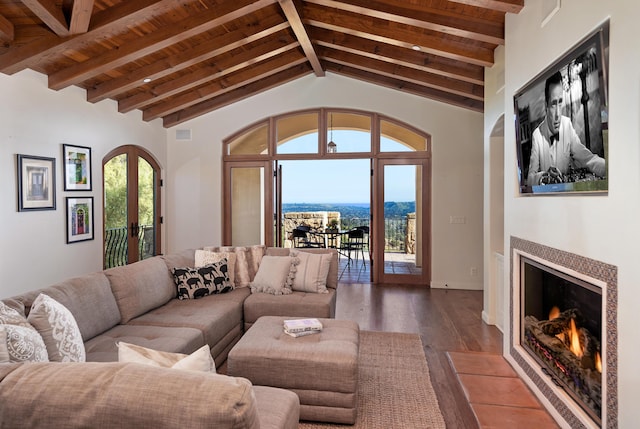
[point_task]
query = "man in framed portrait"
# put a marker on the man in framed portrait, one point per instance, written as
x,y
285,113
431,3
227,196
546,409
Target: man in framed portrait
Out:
x,y
556,147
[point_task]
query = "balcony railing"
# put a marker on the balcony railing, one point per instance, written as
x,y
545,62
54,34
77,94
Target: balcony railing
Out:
x,y
115,253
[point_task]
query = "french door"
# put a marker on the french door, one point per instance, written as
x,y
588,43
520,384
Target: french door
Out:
x,y
131,206
249,206
401,243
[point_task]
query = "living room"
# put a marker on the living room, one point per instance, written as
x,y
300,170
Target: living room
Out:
x,y
37,121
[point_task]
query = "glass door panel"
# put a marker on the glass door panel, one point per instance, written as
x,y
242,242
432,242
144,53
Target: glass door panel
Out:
x,y
146,210
247,206
402,246
115,212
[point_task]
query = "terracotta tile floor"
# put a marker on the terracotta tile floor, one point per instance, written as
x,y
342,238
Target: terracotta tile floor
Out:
x,y
498,397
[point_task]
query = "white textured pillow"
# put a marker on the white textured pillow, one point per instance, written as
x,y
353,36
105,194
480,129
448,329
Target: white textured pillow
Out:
x,y
58,329
200,360
205,257
311,272
275,275
21,344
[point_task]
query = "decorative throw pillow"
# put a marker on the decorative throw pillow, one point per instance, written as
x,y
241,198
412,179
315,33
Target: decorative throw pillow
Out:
x,y
10,316
200,360
58,329
275,275
194,283
205,257
242,272
311,272
21,344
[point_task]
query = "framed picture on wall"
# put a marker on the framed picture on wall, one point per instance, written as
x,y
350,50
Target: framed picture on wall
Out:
x,y
79,219
77,168
562,122
36,183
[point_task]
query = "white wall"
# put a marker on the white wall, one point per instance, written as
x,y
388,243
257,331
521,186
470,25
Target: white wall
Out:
x,y
194,169
600,227
36,121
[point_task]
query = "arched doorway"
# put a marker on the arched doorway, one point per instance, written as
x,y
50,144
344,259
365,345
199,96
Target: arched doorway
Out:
x,y
494,297
131,224
393,151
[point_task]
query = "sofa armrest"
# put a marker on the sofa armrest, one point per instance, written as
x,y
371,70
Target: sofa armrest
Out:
x,y
108,395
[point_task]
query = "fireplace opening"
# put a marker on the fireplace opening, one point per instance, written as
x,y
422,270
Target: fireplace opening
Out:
x,y
561,328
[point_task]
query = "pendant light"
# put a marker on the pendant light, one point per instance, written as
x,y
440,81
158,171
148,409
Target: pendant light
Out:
x,y
331,146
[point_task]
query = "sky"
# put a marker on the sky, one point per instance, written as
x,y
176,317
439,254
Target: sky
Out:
x,y
340,181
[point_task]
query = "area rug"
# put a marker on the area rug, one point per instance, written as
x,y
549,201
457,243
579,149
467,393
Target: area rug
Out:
x,y
394,388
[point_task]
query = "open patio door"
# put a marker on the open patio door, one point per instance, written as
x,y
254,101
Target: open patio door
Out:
x,y
401,221
248,209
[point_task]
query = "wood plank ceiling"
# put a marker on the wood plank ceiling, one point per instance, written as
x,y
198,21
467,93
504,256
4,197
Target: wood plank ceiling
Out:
x,y
179,59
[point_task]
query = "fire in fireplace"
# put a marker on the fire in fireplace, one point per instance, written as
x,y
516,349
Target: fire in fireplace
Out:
x,y
561,327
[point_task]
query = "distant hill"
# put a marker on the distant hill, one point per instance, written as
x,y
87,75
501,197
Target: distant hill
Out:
x,y
355,210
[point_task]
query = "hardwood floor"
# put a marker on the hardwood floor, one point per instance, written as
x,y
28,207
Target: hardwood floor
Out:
x,y
447,320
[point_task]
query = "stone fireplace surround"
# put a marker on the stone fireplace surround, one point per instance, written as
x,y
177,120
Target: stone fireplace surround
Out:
x,y
607,274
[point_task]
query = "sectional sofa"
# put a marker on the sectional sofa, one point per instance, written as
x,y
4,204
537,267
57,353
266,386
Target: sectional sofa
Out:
x,y
137,304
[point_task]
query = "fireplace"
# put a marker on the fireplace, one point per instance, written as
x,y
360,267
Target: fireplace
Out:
x,y
561,327
563,332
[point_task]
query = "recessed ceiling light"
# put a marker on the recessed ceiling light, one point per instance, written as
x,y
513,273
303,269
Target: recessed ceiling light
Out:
x,y
147,80
415,47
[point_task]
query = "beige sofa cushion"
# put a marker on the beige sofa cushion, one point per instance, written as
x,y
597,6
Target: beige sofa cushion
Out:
x,y
102,348
115,395
141,287
88,298
213,315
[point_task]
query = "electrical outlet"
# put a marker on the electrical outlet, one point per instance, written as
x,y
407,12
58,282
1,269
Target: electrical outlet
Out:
x,y
457,220
474,271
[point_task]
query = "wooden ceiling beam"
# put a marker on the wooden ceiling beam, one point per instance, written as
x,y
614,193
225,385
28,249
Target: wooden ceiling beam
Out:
x,y
398,34
205,74
154,41
50,14
426,18
293,16
225,84
7,31
506,6
406,74
404,86
80,16
404,57
186,58
237,95
102,23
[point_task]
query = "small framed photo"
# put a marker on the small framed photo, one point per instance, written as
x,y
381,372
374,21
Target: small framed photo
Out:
x,y
36,183
77,168
79,219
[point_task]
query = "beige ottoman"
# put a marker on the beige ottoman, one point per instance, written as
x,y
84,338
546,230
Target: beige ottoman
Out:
x,y
321,368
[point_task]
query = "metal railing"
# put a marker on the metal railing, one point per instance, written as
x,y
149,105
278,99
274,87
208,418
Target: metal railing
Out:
x,y
395,230
115,253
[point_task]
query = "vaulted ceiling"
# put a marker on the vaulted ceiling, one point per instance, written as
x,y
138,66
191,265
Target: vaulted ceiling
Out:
x,y
179,59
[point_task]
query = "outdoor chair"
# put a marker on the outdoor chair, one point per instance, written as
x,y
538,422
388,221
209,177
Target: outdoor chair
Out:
x,y
302,236
353,241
